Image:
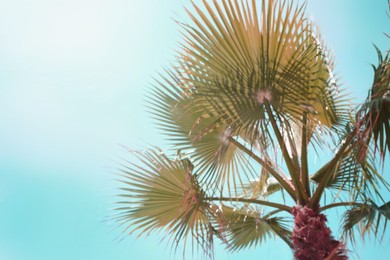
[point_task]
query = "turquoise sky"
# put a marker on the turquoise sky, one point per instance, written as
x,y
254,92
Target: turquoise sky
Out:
x,y
73,76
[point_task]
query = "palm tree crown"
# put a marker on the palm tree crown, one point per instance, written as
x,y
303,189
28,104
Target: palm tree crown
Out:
x,y
250,94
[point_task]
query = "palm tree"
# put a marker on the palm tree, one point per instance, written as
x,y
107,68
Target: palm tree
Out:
x,y
248,98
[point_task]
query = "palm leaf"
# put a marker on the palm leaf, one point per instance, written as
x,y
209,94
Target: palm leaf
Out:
x,y
163,194
200,135
373,119
352,173
366,218
234,61
245,227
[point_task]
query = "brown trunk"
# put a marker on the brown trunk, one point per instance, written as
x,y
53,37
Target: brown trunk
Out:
x,y
312,239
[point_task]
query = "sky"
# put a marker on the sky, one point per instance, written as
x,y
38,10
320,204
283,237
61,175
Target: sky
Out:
x,y
73,79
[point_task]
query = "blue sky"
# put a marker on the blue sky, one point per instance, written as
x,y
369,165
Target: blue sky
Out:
x,y
73,77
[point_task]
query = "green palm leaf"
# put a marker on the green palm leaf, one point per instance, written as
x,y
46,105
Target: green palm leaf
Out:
x,y
352,173
164,194
200,135
236,61
374,115
245,228
366,218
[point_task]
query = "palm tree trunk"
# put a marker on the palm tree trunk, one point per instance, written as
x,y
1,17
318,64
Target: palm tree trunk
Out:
x,y
312,239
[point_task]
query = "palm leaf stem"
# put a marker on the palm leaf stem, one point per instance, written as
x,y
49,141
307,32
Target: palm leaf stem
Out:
x,y
340,204
332,165
254,201
304,162
292,165
272,213
267,166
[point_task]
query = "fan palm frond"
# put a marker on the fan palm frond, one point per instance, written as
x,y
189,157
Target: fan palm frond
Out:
x,y
245,227
352,173
366,218
203,137
235,61
164,194
373,118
